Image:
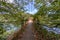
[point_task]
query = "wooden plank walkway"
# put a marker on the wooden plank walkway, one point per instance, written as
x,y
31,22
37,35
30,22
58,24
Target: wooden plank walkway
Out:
x,y
28,34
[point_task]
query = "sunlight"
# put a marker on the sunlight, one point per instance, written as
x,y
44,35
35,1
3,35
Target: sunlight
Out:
x,y
30,21
32,12
10,1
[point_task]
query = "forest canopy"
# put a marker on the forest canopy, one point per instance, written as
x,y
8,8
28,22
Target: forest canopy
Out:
x,y
14,13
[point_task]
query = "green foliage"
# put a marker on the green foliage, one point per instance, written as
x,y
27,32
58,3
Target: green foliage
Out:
x,y
2,30
12,15
7,7
49,14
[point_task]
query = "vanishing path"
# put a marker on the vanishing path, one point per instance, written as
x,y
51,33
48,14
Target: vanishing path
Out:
x,y
28,34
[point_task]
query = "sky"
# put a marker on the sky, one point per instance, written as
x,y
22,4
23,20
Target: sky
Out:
x,y
29,7
10,1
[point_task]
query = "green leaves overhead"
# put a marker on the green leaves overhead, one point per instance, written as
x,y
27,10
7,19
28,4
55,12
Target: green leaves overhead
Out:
x,y
48,13
7,7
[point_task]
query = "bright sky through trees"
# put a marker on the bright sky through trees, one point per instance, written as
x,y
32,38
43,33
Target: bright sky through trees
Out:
x,y
10,1
30,8
44,14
